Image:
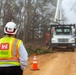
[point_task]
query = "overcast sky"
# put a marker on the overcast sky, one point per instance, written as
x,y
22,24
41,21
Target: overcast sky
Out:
x,y
69,7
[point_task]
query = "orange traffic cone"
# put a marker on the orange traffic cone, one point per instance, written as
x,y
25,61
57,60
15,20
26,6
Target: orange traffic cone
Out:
x,y
35,64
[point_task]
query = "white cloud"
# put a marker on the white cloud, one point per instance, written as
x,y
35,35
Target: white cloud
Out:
x,y
69,7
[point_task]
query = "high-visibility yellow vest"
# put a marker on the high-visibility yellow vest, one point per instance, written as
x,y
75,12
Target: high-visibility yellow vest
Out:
x,y
9,51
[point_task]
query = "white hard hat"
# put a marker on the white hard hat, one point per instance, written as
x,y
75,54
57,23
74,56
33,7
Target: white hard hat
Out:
x,y
10,28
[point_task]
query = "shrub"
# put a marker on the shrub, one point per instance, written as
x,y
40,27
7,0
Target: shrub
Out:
x,y
30,50
38,50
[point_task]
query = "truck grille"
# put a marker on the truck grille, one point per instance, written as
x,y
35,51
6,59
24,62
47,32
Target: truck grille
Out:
x,y
63,40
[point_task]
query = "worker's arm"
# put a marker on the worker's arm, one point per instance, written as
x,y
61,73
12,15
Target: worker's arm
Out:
x,y
23,56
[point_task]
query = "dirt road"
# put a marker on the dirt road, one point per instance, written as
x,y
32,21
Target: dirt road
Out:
x,y
59,63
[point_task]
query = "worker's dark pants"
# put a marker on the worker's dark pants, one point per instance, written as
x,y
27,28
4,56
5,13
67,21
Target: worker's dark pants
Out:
x,y
14,70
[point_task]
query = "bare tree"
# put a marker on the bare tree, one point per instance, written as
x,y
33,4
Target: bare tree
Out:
x,y
31,16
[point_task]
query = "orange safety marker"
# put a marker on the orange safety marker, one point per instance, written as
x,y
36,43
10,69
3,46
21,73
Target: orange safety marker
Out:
x,y
35,63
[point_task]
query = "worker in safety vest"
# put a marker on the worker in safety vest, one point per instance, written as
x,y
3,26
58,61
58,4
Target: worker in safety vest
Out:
x,y
13,55
48,37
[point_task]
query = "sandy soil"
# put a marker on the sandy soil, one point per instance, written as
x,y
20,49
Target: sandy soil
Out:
x,y
58,63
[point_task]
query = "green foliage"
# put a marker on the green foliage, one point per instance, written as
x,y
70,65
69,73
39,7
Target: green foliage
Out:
x,y
30,50
38,50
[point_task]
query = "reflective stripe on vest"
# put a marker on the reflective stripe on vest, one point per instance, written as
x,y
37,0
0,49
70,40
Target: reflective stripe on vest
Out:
x,y
14,53
15,48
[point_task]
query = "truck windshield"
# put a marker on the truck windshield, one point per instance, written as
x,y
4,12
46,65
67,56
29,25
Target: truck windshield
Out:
x,y
63,31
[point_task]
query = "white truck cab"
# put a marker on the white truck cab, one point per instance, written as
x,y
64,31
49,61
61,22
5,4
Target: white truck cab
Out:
x,y
63,36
